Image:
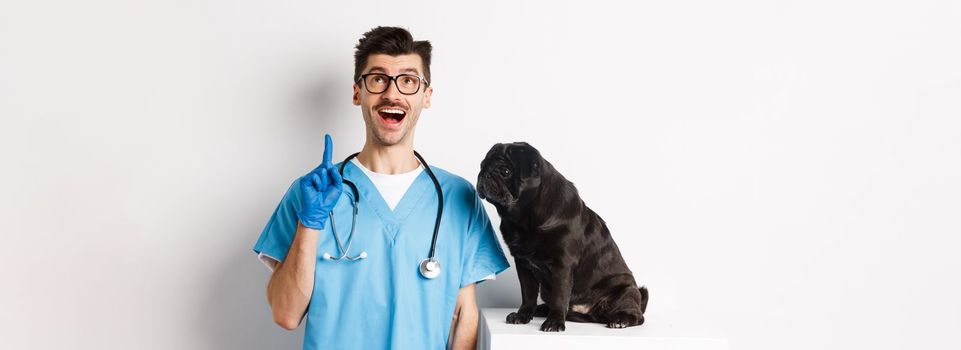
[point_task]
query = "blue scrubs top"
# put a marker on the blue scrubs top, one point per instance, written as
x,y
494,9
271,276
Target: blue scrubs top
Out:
x,y
382,302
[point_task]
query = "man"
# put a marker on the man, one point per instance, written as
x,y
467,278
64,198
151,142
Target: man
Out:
x,y
366,290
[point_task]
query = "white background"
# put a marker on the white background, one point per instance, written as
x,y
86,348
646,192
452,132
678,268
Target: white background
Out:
x,y
786,171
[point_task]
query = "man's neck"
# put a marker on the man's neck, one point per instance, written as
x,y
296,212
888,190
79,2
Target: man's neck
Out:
x,y
396,159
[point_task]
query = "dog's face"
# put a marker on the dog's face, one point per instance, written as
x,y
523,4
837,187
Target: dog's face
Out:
x,y
508,172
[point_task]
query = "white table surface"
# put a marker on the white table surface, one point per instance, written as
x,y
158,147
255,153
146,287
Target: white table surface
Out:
x,y
664,330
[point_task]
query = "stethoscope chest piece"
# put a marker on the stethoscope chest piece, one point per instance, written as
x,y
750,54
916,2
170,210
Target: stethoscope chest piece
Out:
x,y
429,268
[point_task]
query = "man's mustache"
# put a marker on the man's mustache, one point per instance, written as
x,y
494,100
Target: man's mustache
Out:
x,y
393,105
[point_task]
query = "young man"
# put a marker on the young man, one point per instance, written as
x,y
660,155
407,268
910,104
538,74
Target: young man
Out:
x,y
386,283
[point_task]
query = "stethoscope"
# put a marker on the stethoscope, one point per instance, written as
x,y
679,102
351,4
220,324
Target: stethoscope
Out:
x,y
430,267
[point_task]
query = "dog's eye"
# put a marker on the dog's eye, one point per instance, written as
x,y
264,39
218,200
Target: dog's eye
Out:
x,y
505,172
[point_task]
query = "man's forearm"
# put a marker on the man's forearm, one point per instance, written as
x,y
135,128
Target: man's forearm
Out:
x,y
466,318
465,337
292,283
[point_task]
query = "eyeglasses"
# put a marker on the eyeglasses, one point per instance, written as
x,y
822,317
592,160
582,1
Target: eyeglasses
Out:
x,y
407,84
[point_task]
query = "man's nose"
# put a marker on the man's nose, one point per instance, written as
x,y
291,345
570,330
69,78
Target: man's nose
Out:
x,y
392,93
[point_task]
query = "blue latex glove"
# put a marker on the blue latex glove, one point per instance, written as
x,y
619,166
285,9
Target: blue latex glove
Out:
x,y
320,188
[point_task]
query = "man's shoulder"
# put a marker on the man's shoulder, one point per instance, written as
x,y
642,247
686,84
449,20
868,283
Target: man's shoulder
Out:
x,y
452,181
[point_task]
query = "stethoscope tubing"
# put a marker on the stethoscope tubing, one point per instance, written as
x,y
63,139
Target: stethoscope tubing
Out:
x,y
431,260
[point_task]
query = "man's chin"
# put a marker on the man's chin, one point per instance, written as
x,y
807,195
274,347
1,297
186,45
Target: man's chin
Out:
x,y
390,137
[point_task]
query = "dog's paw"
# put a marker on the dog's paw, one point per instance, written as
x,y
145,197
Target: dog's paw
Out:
x,y
617,324
516,318
552,325
625,320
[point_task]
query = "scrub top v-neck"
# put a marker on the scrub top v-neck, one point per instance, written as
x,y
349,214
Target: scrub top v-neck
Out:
x,y
391,187
382,302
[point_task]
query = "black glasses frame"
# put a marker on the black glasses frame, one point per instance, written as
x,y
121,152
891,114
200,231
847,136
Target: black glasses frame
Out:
x,y
422,82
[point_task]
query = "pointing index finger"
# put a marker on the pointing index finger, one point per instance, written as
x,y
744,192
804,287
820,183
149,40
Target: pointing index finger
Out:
x,y
328,151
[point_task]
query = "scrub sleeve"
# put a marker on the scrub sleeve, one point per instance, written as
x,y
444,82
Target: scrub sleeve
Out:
x,y
278,235
483,255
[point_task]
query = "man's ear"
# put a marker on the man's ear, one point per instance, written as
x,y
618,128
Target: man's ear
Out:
x,y
356,98
428,92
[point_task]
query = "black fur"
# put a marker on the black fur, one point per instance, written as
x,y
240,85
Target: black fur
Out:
x,y
561,248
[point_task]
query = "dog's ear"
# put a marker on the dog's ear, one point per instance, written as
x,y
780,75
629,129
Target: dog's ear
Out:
x,y
526,157
535,166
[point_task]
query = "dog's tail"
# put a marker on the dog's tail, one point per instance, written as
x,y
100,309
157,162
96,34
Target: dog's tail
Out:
x,y
644,297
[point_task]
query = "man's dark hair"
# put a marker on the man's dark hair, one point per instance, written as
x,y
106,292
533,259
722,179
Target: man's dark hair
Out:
x,y
391,41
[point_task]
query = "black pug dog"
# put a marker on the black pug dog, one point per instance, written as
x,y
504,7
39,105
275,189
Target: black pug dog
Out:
x,y
560,246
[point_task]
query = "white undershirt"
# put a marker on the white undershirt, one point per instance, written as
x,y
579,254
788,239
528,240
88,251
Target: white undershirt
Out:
x,y
391,186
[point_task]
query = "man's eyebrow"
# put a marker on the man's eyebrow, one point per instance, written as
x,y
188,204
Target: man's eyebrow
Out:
x,y
378,69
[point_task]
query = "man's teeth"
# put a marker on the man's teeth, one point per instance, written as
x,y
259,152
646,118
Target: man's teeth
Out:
x,y
392,111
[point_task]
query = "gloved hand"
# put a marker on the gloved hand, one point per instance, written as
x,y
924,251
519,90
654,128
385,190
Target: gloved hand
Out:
x,y
320,188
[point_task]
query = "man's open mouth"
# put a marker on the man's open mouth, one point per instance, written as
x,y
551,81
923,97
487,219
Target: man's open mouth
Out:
x,y
391,115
